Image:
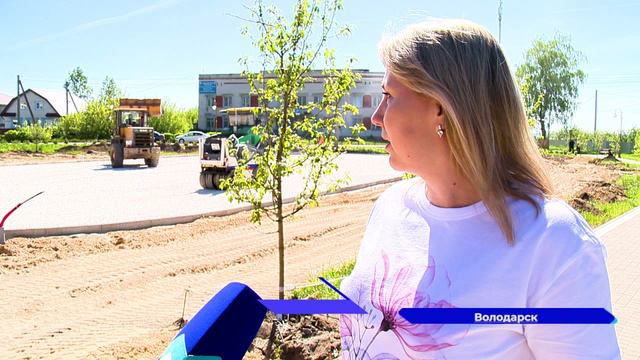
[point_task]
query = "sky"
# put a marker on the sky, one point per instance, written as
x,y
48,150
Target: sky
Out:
x,y
157,48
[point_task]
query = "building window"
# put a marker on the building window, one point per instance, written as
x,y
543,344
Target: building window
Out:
x,y
356,100
366,101
245,100
38,105
302,100
376,100
209,125
317,98
227,101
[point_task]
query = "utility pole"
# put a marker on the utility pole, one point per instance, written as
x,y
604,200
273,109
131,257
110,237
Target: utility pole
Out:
x,y
595,116
615,114
26,99
500,22
18,108
66,93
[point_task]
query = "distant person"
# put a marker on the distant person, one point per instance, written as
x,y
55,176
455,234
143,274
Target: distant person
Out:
x,y
477,227
572,144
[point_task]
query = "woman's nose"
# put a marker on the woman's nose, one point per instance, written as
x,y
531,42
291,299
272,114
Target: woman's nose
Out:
x,y
378,116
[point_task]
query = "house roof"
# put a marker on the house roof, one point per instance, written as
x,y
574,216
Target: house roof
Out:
x,y
57,99
4,99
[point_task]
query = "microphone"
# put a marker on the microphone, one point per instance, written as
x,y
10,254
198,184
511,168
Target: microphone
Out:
x,y
222,329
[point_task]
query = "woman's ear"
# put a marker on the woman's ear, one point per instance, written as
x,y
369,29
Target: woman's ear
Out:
x,y
439,110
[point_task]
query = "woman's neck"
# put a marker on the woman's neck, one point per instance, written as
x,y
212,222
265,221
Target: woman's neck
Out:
x,y
454,193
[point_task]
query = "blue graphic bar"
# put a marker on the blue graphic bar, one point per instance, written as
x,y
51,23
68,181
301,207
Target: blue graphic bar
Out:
x,y
301,307
312,306
508,316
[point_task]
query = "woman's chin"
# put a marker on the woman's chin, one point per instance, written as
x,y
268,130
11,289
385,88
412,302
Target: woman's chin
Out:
x,y
394,163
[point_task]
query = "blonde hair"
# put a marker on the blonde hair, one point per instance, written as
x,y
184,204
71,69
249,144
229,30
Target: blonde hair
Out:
x,y
461,66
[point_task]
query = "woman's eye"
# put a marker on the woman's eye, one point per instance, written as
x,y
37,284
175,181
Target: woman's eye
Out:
x,y
386,94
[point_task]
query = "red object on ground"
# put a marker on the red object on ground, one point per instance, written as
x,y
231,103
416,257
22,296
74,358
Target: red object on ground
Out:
x,y
15,208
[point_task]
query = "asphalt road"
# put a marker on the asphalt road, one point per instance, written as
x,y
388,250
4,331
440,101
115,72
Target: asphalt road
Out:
x,y
92,193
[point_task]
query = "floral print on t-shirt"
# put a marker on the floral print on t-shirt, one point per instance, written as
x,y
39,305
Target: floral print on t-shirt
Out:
x,y
391,289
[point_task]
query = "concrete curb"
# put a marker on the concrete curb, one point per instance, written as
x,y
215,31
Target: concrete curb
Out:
x,y
614,223
144,224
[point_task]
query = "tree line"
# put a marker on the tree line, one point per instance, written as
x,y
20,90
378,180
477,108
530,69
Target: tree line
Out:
x,y
95,122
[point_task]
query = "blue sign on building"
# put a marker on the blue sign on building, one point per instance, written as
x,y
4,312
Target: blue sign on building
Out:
x,y
208,87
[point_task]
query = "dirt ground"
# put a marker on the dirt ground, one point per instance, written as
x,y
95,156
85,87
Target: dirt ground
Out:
x,y
117,295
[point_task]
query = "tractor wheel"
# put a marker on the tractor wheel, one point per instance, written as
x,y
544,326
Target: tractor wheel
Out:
x,y
203,181
216,181
117,155
152,162
209,181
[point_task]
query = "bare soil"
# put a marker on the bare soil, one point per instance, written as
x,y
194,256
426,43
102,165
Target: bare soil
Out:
x,y
118,295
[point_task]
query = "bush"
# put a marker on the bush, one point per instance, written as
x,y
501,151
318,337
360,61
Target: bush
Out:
x,y
20,134
173,120
169,137
57,132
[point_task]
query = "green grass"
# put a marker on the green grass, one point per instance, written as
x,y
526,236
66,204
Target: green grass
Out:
x,y
620,165
558,151
30,147
635,157
175,153
367,149
322,291
631,186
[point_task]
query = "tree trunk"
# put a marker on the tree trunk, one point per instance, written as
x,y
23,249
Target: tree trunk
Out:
x,y
545,140
280,245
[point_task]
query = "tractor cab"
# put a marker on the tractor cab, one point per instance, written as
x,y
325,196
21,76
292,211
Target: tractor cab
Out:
x,y
132,138
126,116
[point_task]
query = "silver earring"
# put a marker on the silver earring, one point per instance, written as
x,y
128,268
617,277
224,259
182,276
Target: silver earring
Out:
x,y
440,131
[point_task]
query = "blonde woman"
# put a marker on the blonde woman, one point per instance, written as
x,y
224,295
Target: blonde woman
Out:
x,y
476,227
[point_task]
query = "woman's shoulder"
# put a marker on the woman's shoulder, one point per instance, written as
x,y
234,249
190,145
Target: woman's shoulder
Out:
x,y
402,191
554,225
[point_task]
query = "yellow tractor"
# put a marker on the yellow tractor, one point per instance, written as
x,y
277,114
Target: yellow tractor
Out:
x,y
131,137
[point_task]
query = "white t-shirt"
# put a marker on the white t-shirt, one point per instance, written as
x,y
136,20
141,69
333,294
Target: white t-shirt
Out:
x,y
415,254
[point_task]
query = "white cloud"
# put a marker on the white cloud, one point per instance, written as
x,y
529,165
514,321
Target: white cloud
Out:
x,y
97,23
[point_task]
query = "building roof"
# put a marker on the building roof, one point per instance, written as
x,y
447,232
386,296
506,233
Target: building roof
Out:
x,y
57,99
312,73
4,99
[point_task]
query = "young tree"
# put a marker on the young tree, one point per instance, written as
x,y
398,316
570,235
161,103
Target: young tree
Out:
x,y
109,89
38,134
77,83
191,115
97,119
172,120
549,80
70,125
289,49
